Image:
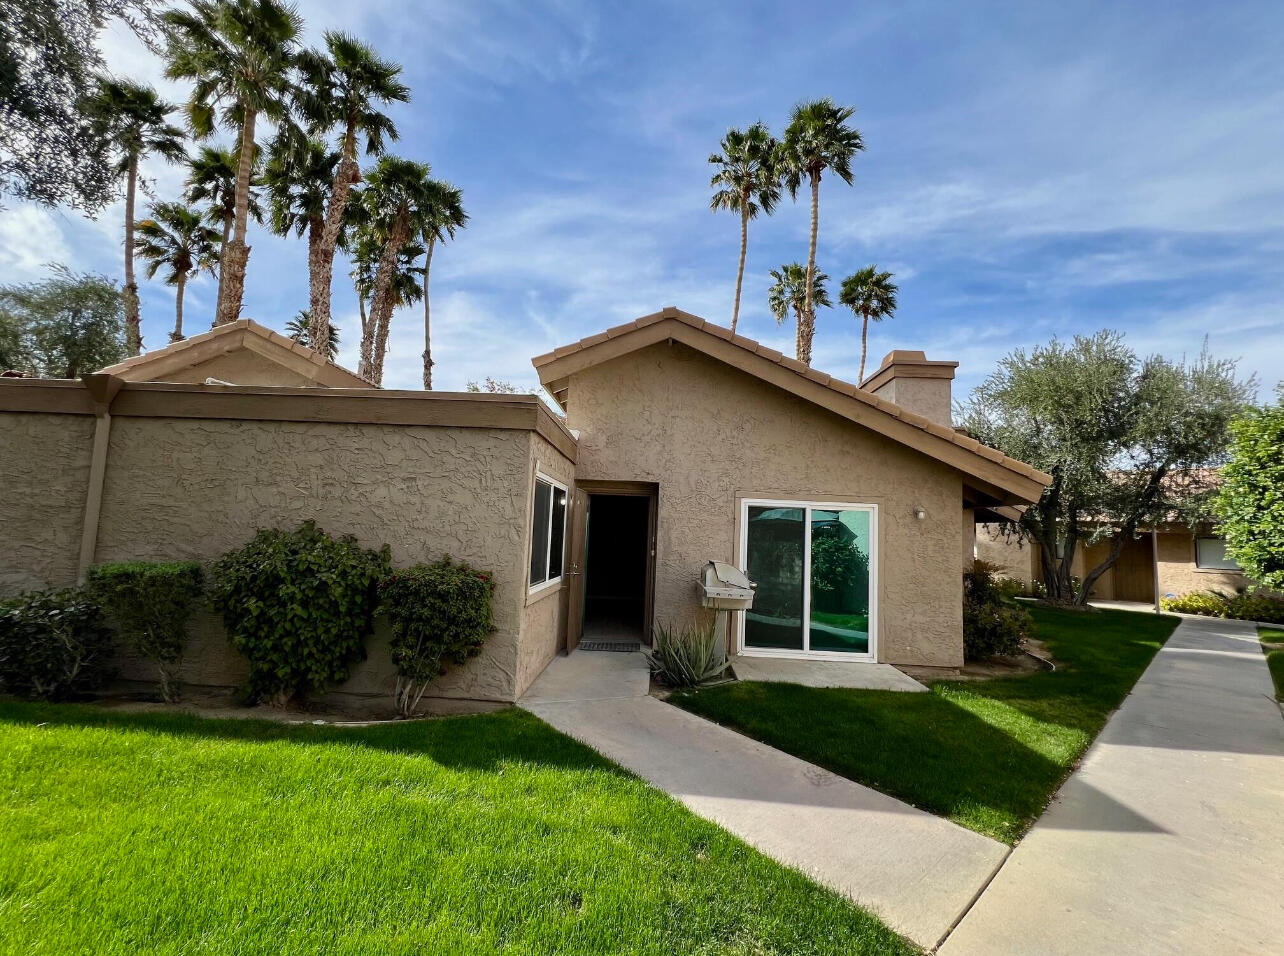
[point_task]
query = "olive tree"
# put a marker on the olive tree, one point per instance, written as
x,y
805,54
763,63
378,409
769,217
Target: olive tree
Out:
x,y
1126,440
63,326
1250,502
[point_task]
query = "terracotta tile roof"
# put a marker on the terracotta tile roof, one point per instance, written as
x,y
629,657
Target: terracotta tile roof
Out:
x,y
672,314
243,326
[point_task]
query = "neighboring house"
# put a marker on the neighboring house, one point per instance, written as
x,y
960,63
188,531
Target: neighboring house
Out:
x,y
853,509
238,353
1169,559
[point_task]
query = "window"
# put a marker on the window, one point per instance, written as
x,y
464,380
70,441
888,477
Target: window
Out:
x,y
1210,554
814,567
548,531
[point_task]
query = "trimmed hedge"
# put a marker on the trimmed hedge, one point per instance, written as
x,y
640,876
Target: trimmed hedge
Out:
x,y
440,613
53,644
300,606
149,605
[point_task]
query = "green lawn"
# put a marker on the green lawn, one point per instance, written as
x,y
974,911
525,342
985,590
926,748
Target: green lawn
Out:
x,y
1274,656
986,754
171,834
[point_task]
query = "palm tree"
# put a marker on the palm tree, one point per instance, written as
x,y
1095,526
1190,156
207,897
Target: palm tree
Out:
x,y
871,295
133,119
790,292
299,177
441,216
396,196
747,183
177,237
817,138
344,87
299,326
239,54
211,180
365,249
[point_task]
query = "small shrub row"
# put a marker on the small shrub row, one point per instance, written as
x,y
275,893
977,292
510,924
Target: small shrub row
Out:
x,y
1244,606
994,624
53,644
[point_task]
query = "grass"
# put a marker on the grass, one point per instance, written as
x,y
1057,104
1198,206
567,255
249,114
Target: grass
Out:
x,y
171,834
1274,655
987,754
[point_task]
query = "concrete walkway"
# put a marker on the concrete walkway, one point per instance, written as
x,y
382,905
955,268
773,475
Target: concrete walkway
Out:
x,y
859,676
1170,836
918,872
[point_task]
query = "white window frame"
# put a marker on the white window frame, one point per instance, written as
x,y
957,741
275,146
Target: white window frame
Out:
x,y
548,546
1212,567
874,559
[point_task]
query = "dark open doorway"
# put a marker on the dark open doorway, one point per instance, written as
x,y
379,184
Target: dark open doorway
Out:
x,y
617,569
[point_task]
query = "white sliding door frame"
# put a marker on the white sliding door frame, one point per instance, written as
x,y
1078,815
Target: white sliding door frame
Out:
x,y
807,508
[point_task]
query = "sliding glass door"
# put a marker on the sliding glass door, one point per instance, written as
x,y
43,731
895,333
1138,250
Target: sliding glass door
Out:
x,y
814,564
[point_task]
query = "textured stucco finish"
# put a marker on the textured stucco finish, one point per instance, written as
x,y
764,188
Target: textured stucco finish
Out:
x,y
1177,571
44,475
929,397
710,435
242,367
543,616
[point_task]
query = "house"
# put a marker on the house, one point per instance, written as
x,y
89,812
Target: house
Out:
x,y
1166,560
852,508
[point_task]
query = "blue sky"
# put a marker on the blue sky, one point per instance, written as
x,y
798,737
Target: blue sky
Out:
x,y
1031,170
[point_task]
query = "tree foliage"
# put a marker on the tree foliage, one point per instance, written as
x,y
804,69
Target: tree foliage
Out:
x,y
49,151
63,326
747,182
1126,440
300,606
1250,502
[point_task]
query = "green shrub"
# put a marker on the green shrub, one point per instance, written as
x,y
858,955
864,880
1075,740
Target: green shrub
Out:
x,y
300,606
1246,606
439,612
53,644
993,623
149,604
687,657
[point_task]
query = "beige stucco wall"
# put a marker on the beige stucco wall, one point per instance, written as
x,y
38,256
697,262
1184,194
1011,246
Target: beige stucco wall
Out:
x,y
924,396
1014,558
710,435
242,367
195,488
543,618
1177,571
44,474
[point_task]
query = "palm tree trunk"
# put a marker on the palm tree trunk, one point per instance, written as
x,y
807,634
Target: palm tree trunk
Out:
x,y
237,254
133,321
382,302
740,270
809,309
428,319
864,339
321,276
222,260
177,334
367,338
316,230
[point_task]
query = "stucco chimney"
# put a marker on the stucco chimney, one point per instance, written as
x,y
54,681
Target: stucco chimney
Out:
x,y
915,384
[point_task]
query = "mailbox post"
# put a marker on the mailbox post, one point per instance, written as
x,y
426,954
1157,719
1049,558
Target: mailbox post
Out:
x,y
725,588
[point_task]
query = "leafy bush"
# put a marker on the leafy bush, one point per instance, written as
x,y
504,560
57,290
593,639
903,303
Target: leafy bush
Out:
x,y
1246,606
1250,501
439,612
52,644
300,606
149,604
993,623
687,657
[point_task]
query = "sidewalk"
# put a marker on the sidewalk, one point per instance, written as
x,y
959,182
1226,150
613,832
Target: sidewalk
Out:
x,y
918,872
1169,839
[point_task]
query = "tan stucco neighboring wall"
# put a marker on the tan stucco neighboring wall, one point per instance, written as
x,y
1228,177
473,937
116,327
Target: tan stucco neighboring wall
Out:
x,y
242,367
543,619
1177,571
44,473
710,435
194,489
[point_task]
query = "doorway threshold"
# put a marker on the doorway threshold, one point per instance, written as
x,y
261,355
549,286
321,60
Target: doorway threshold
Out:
x,y
857,675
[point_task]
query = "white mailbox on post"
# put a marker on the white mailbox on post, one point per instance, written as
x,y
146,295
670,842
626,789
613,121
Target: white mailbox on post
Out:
x,y
726,588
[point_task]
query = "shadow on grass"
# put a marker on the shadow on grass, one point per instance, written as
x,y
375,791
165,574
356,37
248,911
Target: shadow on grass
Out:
x,y
483,742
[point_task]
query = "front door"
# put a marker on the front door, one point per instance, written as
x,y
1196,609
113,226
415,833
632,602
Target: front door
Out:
x,y
575,587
